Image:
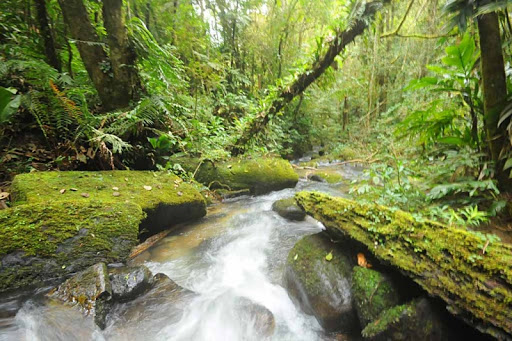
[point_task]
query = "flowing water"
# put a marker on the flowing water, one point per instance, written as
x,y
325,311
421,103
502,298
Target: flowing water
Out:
x,y
238,251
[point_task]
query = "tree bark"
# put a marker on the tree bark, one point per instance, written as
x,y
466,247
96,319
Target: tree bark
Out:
x,y
110,77
471,273
494,90
303,81
122,56
50,51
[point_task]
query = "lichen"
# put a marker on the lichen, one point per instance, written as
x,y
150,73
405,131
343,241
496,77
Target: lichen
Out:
x,y
260,175
373,293
42,241
445,261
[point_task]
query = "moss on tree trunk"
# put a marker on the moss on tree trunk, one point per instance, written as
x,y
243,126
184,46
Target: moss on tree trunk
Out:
x,y
471,272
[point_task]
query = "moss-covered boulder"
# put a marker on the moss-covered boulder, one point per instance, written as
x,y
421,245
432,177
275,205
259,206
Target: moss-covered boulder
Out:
x,y
164,197
470,271
43,241
417,320
259,175
329,176
90,290
288,208
318,278
373,293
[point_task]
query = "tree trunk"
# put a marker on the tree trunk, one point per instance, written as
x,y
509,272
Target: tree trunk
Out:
x,y
112,79
49,44
122,56
303,81
345,113
494,90
471,273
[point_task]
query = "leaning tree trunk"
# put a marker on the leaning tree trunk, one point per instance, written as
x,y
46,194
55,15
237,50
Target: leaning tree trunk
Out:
x,y
114,93
49,43
469,271
336,46
494,90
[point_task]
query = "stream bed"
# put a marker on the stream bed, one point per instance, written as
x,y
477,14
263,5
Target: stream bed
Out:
x,y
238,251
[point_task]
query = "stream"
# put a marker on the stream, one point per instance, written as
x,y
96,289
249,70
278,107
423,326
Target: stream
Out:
x,y
237,251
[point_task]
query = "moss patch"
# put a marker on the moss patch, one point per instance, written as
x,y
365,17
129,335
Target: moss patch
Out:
x,y
164,197
43,241
447,262
387,318
373,293
260,176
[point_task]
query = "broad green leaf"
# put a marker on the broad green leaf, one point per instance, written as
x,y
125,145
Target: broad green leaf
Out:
x,y
452,140
508,164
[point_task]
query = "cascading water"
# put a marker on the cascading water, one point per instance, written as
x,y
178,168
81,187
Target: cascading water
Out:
x,y
236,254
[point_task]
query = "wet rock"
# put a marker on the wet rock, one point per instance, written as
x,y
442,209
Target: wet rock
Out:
x,y
373,293
322,287
261,318
130,282
288,208
316,177
42,242
90,290
417,320
259,175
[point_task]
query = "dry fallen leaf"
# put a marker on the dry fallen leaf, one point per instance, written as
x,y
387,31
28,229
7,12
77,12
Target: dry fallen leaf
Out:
x,y
180,193
115,189
4,195
85,195
3,205
148,188
361,261
116,194
73,189
62,191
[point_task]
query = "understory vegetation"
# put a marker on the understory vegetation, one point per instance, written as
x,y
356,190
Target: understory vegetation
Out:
x,y
417,91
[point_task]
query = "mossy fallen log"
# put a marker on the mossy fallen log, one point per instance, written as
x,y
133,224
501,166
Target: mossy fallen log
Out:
x,y
470,271
164,197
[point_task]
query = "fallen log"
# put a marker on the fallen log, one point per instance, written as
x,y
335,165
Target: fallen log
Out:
x,y
470,271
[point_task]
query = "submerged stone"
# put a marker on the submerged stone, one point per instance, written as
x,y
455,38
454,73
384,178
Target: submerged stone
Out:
x,y
259,176
164,197
130,282
90,290
288,208
373,292
318,278
39,242
261,319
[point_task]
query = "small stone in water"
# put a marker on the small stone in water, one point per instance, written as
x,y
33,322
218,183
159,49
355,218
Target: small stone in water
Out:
x,y
148,188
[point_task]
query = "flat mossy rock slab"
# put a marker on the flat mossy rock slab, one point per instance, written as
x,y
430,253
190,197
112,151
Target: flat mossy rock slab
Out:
x,y
329,176
320,286
259,175
42,241
470,271
90,290
164,197
373,292
288,208
417,320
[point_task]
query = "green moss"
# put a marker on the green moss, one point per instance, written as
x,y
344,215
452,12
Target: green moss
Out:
x,y
46,186
41,241
387,318
331,176
307,259
447,262
260,175
373,293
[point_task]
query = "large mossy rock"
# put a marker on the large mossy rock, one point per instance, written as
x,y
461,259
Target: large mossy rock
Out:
x,y
373,293
42,241
90,290
288,208
164,197
417,320
259,176
470,271
320,286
